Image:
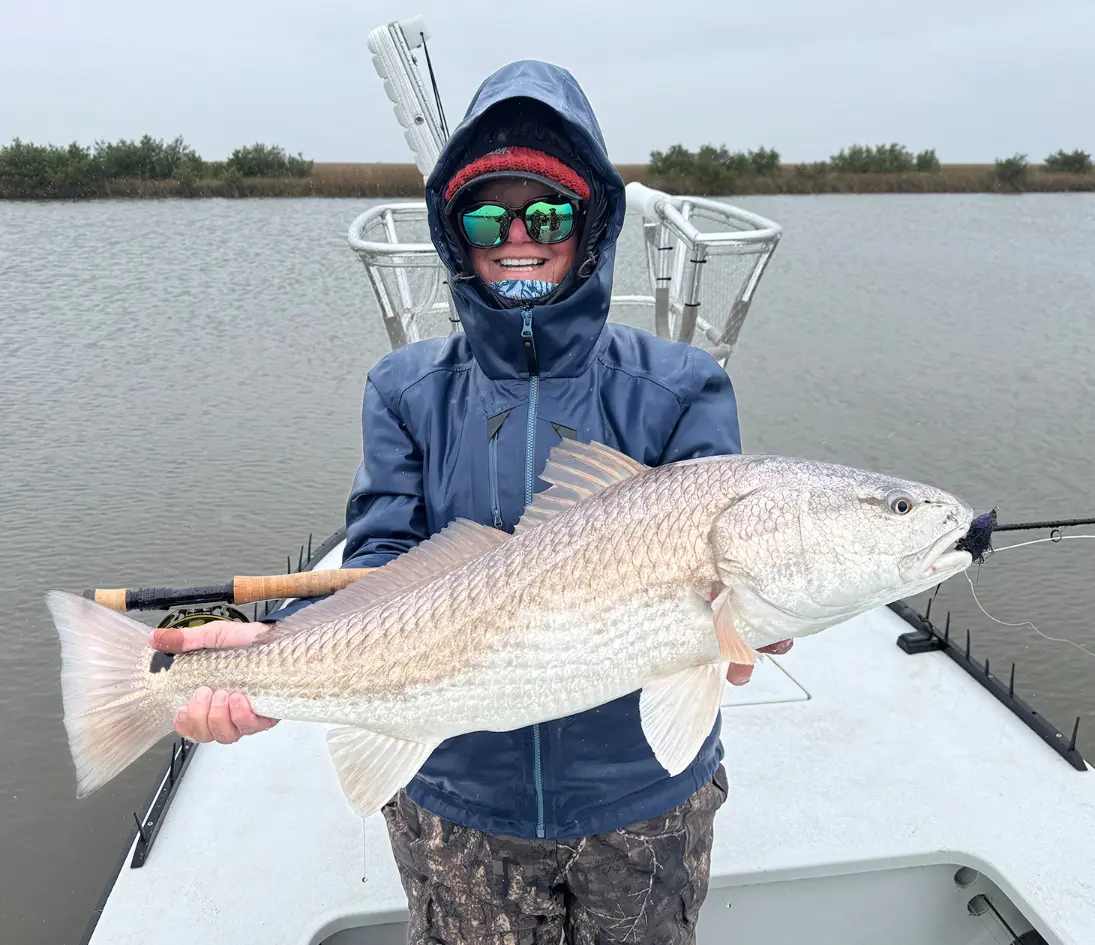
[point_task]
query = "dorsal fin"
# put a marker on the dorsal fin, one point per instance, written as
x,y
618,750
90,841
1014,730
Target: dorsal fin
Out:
x,y
457,542
576,471
589,466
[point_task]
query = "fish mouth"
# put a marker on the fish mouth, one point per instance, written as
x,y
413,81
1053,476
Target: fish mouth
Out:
x,y
941,558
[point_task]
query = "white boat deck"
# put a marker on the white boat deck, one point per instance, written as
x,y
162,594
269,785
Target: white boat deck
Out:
x,y
851,765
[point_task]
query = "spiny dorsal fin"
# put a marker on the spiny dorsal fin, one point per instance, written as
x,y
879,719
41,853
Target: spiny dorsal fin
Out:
x,y
456,543
576,471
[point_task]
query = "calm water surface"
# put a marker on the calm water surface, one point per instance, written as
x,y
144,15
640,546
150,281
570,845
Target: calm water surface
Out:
x,y
180,388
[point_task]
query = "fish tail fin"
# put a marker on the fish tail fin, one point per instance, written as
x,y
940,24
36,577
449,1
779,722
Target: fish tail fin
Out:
x,y
112,715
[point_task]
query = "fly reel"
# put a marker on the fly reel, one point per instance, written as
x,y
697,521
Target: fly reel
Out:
x,y
184,617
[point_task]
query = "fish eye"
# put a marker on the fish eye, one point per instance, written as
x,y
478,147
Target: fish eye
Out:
x,y
901,504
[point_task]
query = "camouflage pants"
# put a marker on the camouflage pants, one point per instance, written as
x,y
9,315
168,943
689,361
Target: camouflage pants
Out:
x,y
642,884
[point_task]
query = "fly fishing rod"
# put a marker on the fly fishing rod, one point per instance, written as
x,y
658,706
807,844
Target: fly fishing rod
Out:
x,y
242,589
1060,523
978,540
246,589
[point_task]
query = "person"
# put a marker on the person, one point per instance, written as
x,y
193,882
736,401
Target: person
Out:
x,y
570,826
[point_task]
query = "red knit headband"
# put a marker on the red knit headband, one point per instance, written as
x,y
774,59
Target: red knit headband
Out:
x,y
519,159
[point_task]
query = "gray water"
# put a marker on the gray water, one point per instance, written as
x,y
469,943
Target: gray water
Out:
x,y
180,388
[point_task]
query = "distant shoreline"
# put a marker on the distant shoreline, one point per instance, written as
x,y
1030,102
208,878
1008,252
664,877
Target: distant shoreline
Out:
x,y
404,181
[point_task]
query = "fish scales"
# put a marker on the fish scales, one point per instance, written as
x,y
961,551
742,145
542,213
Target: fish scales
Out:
x,y
539,624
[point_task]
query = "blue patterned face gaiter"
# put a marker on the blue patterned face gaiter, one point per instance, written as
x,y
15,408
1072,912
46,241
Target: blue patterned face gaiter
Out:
x,y
523,288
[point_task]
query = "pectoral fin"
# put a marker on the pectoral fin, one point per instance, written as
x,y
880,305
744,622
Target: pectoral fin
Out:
x,y
677,713
373,767
731,645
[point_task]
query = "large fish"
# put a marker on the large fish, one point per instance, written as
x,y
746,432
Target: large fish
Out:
x,y
618,578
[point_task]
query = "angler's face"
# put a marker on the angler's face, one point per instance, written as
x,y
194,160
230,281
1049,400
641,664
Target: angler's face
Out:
x,y
827,542
520,256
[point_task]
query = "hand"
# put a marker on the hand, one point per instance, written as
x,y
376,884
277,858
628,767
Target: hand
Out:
x,y
739,674
213,716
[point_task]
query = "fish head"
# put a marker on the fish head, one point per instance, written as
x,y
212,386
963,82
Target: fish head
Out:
x,y
810,544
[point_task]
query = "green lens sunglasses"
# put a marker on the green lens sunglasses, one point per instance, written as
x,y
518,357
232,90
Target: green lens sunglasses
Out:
x,y
546,220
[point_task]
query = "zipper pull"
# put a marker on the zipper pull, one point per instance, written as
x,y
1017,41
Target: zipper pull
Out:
x,y
530,343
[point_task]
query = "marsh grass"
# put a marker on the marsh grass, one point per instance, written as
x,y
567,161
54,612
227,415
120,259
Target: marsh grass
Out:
x,y
403,181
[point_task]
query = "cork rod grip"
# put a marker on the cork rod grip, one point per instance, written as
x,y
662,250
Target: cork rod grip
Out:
x,y
301,584
114,598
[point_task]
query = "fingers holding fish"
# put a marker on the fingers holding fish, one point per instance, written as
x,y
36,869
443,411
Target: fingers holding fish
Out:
x,y
219,716
197,715
739,674
213,716
220,719
216,634
244,718
181,725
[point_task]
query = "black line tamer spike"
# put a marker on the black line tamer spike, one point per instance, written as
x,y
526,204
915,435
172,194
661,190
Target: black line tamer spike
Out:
x,y
925,638
148,829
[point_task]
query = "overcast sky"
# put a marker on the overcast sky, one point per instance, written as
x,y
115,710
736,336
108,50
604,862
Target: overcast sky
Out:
x,y
975,79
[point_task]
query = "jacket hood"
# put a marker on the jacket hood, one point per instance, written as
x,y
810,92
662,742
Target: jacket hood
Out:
x,y
539,105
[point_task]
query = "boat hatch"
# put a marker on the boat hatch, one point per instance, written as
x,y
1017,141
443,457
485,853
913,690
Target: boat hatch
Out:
x,y
940,904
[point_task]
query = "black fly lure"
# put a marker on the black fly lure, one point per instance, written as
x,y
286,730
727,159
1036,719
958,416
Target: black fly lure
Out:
x,y
978,540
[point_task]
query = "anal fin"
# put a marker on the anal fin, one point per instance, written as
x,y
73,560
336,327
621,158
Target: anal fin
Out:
x,y
373,767
677,713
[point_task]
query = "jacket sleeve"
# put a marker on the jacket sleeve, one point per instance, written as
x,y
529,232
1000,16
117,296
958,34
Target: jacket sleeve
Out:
x,y
386,510
708,425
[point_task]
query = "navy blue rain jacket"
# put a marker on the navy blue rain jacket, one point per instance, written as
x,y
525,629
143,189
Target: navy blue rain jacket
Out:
x,y
461,427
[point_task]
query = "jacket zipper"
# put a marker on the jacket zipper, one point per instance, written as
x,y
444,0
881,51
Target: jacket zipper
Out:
x,y
533,400
492,472
530,460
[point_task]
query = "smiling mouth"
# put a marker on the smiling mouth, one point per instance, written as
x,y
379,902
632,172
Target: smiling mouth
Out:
x,y
517,264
